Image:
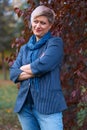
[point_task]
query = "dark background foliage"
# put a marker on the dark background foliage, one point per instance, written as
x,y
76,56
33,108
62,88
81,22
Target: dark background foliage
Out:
x,y
70,24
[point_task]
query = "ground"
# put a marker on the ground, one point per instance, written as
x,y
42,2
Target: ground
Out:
x,y
8,93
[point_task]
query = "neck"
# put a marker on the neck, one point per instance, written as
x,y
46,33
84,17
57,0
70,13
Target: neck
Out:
x,y
37,38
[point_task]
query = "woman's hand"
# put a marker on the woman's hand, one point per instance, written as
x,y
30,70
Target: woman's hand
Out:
x,y
26,68
24,76
27,73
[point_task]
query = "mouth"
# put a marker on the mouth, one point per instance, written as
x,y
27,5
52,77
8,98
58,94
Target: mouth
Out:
x,y
38,30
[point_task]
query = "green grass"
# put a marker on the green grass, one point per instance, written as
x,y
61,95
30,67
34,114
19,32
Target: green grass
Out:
x,y
8,93
7,96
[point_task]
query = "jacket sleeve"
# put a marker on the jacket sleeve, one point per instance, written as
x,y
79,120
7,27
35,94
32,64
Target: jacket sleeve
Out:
x,y
15,68
51,58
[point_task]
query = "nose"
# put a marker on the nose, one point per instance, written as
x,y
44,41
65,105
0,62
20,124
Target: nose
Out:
x,y
38,25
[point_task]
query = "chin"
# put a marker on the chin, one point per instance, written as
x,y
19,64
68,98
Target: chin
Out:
x,y
37,35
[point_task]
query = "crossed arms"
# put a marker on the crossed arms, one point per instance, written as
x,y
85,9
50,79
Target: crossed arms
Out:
x,y
52,58
27,72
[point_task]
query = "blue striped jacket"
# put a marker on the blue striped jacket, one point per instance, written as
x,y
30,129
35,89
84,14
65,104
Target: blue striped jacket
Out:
x,y
49,99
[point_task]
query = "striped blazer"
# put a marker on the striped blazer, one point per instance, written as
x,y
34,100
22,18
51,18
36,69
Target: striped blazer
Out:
x,y
49,99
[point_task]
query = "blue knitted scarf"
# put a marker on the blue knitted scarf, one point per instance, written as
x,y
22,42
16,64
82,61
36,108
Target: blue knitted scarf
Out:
x,y
34,47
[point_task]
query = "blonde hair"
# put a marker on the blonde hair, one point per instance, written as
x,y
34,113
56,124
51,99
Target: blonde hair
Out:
x,y
43,11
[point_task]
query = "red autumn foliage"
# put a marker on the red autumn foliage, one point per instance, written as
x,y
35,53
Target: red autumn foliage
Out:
x,y
71,25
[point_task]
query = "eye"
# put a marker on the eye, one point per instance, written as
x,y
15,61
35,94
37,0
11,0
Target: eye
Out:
x,y
43,23
35,21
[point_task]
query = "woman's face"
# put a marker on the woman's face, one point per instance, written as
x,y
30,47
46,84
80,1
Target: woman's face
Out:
x,y
40,26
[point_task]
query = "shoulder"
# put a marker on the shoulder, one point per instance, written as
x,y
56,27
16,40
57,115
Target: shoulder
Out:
x,y
23,47
55,41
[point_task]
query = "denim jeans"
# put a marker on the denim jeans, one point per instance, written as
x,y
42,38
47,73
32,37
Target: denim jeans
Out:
x,y
30,119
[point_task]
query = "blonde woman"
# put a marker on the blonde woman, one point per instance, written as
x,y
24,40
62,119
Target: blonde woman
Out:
x,y
40,99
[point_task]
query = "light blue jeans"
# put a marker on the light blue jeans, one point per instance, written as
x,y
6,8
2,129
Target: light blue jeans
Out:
x,y
30,119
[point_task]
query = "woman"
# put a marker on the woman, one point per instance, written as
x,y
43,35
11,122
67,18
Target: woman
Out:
x,y
40,100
